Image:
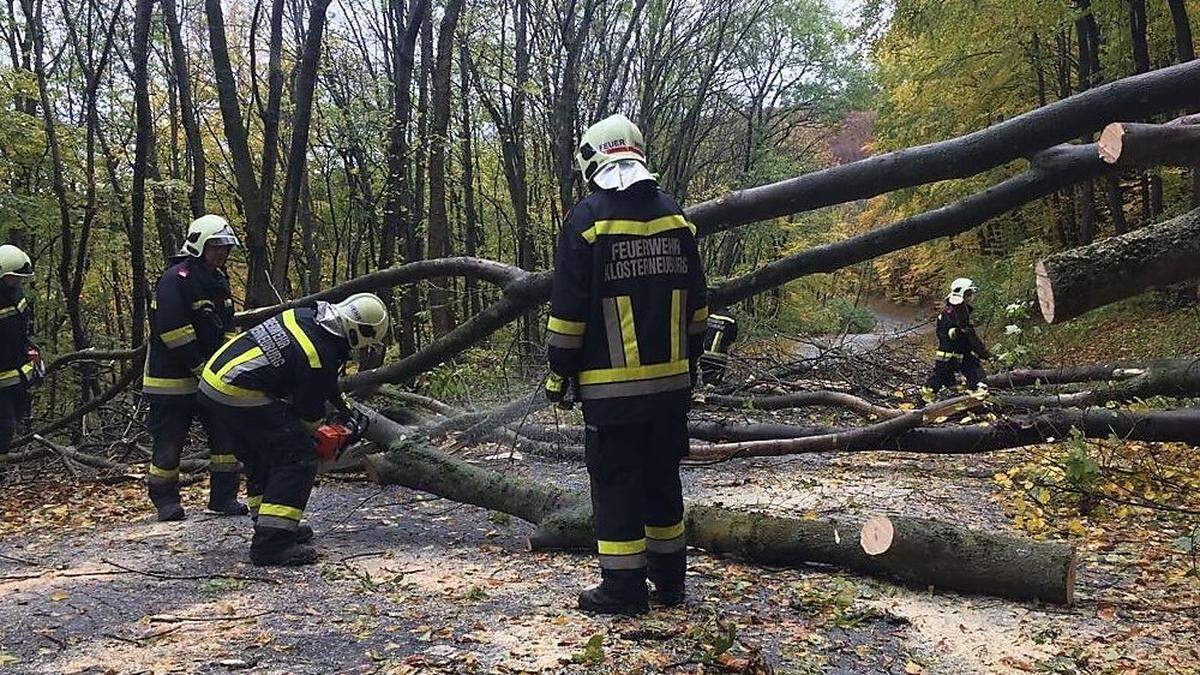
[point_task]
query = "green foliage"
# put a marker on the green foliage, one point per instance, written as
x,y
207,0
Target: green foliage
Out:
x,y
1081,471
592,653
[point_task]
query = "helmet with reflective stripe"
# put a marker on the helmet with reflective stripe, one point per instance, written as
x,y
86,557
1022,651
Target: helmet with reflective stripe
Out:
x,y
364,319
205,230
959,289
612,138
15,262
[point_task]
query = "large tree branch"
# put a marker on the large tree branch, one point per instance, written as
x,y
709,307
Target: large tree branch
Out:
x,y
1137,97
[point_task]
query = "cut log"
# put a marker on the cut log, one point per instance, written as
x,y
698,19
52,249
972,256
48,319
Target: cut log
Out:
x,y
953,559
1142,144
1172,378
1092,372
1074,282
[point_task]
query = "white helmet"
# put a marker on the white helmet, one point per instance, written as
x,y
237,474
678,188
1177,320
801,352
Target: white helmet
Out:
x,y
364,320
959,289
14,261
609,140
209,229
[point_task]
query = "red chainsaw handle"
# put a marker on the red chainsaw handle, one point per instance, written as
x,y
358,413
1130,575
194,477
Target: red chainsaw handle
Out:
x,y
329,439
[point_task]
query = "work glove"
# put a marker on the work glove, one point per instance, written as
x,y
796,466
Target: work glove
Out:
x,y
560,391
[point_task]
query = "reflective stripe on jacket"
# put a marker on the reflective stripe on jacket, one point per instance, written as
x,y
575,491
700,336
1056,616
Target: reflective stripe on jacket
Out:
x,y
629,303
15,313
191,310
287,357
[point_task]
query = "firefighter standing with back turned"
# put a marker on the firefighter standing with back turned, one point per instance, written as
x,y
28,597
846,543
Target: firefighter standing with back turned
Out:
x,y
190,314
627,314
19,360
269,386
959,346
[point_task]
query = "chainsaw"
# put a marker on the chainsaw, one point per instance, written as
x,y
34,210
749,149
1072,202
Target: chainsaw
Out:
x,y
339,433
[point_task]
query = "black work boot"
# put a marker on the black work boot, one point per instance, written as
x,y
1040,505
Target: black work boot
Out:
x,y
304,531
666,571
165,497
278,547
291,556
222,494
619,592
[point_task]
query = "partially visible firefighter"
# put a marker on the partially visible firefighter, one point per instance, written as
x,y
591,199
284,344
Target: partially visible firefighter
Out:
x,y
190,314
627,316
270,387
960,349
20,362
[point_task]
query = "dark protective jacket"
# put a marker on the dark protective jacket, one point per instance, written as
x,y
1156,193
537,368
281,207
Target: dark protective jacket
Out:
x,y
956,335
191,315
15,320
628,308
288,357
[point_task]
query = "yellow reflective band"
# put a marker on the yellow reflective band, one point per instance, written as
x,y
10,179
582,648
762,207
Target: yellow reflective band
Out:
x,y
169,474
566,327
700,314
14,309
676,315
216,380
222,459
22,305
289,321
10,377
182,385
179,336
621,547
202,303
637,228
281,511
668,532
610,375
628,331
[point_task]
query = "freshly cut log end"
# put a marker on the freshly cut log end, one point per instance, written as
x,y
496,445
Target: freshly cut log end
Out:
x,y
876,536
1111,140
1045,291
1077,281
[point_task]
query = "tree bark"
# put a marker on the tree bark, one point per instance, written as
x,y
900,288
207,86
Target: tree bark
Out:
x,y
1137,97
141,158
441,299
302,98
924,554
1074,282
187,111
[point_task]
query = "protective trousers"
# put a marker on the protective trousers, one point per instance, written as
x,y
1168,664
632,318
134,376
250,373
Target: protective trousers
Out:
x,y
281,464
947,365
14,408
637,504
169,422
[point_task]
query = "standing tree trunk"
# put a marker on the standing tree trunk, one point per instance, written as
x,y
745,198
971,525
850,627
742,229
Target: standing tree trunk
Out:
x,y
398,211
187,111
441,301
472,304
1186,51
302,98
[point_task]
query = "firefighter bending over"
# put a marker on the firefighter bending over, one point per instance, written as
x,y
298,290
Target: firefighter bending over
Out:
x,y
20,362
269,387
627,315
959,346
190,316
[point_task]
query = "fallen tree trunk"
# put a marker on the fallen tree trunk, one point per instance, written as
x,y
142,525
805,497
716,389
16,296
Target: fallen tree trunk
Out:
x,y
1077,281
803,399
1092,372
1172,378
924,554
1137,97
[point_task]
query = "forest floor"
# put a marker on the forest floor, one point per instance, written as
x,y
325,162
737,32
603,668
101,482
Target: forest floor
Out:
x,y
89,583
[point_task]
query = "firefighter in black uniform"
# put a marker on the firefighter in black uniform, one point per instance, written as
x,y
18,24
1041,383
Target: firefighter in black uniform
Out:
x,y
269,386
959,346
627,315
190,314
19,360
